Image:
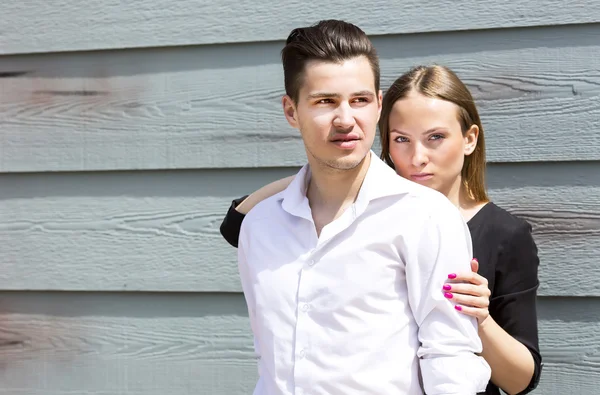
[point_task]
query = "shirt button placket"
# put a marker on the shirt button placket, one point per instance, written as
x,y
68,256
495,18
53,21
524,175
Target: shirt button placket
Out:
x,y
303,319
311,258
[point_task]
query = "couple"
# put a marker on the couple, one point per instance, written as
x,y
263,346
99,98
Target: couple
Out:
x,y
358,281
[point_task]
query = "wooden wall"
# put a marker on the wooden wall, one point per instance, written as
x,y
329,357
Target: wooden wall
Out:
x,y
126,130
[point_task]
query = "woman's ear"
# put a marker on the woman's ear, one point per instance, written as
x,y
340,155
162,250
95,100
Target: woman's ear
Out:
x,y
471,137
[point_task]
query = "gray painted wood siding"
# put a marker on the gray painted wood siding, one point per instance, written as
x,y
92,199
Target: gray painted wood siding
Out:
x,y
188,344
158,231
126,128
75,25
192,107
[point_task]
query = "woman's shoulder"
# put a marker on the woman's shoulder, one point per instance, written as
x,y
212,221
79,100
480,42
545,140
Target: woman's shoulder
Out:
x,y
494,228
500,222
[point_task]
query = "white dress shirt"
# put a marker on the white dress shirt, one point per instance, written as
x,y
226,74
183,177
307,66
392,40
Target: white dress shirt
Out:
x,y
360,309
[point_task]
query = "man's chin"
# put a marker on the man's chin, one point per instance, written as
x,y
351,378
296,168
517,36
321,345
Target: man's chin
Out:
x,y
348,162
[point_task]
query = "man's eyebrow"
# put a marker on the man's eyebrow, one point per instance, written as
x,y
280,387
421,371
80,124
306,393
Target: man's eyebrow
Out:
x,y
319,95
364,93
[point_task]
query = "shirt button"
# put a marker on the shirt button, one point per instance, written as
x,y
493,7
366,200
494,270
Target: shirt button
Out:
x,y
302,354
306,307
311,262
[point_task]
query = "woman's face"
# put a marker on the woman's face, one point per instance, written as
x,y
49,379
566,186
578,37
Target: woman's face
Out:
x,y
427,145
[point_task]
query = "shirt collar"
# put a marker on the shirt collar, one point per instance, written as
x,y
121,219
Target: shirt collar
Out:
x,y
294,197
380,181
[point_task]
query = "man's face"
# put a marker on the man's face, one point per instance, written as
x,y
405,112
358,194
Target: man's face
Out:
x,y
337,112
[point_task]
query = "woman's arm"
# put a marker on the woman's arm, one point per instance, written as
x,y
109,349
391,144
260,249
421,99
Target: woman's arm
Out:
x,y
261,194
512,363
232,223
510,342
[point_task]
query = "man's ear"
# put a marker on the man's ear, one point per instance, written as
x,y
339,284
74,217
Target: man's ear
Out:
x,y
379,104
289,110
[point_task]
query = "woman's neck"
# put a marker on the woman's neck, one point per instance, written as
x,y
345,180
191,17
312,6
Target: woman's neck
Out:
x,y
463,200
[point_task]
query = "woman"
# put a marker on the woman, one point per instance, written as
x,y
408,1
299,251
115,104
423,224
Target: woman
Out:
x,y
431,134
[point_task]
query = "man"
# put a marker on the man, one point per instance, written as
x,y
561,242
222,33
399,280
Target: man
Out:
x,y
342,271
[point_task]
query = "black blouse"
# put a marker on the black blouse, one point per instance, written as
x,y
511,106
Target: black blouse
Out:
x,y
507,255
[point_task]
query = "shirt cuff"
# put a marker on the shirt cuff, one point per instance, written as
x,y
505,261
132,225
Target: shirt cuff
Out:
x,y
460,375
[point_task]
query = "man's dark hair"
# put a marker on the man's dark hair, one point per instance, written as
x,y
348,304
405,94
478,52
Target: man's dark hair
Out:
x,y
329,41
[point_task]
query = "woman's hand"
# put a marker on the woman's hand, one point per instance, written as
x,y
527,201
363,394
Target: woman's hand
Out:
x,y
470,293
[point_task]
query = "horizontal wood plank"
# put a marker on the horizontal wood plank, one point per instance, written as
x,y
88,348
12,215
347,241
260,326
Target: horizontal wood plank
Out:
x,y
182,344
219,106
159,231
92,344
569,330
73,25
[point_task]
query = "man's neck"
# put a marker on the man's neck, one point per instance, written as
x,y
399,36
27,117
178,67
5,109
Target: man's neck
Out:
x,y
330,192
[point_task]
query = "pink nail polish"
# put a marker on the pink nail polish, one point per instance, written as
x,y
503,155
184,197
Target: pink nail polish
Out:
x,y
448,295
452,275
475,259
447,287
457,307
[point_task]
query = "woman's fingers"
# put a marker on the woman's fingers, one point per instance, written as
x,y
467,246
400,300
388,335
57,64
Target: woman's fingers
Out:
x,y
467,277
474,265
467,289
470,292
480,314
467,300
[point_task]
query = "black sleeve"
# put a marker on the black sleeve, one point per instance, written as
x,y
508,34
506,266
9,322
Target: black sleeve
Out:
x,y
232,223
513,305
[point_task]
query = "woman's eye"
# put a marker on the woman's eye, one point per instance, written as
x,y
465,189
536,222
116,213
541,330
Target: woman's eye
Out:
x,y
436,137
401,139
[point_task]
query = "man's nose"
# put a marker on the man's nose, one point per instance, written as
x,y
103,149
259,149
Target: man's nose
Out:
x,y
344,117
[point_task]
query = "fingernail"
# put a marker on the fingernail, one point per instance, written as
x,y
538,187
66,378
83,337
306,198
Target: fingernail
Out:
x,y
457,307
475,259
447,287
452,275
448,295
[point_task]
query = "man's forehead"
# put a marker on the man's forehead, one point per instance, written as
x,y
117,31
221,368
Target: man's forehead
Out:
x,y
342,78
356,64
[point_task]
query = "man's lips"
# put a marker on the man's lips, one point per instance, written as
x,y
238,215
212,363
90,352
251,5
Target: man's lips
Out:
x,y
346,141
345,137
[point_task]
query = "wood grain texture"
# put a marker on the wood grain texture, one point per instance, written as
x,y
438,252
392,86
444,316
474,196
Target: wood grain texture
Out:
x,y
219,106
569,331
158,231
124,344
184,344
71,25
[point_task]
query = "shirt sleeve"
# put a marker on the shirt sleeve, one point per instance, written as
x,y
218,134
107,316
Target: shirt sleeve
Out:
x,y
449,341
513,304
232,223
246,282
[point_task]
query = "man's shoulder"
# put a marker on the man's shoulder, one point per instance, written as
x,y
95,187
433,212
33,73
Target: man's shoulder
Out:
x,y
266,209
420,197
388,183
